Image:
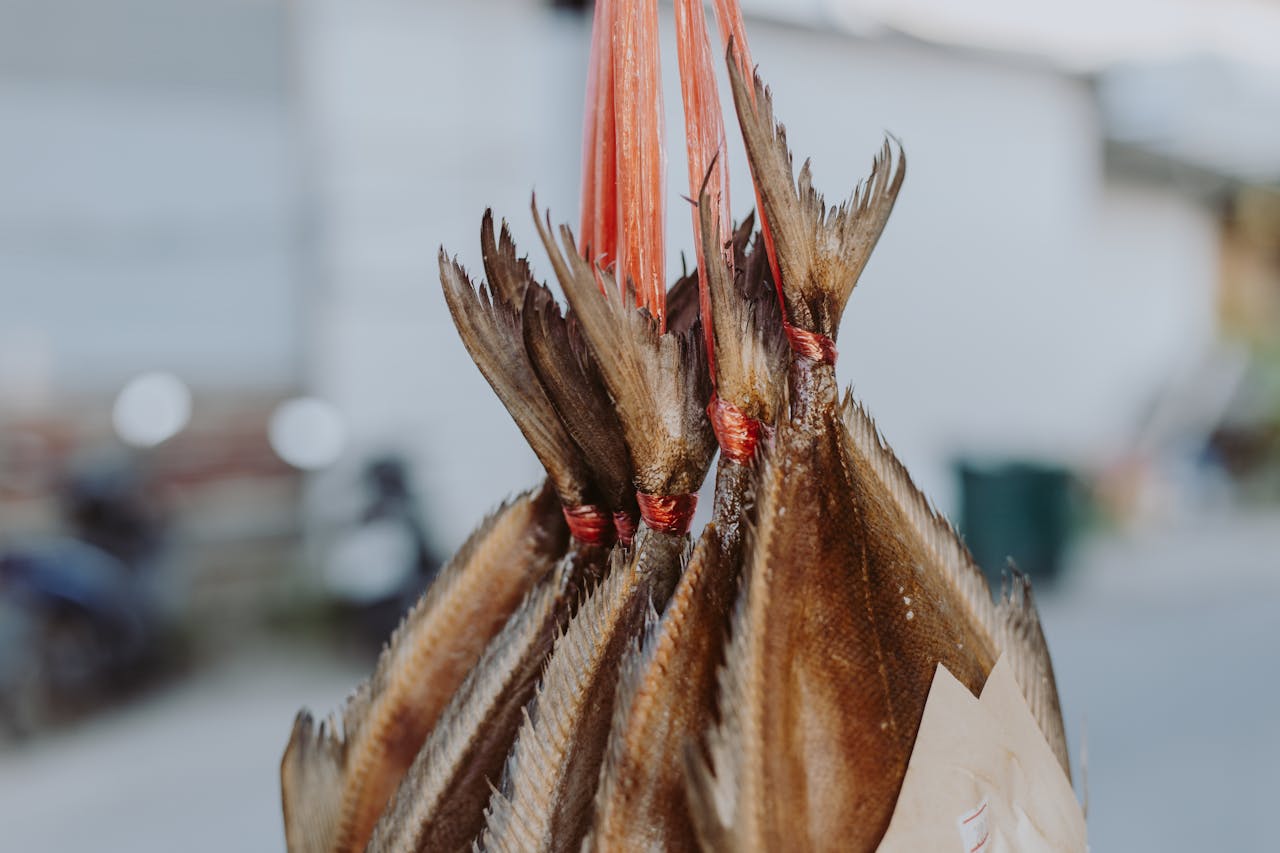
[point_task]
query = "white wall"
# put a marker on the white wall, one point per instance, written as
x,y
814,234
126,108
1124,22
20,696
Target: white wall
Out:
x,y
146,215
1020,301
1017,305
423,114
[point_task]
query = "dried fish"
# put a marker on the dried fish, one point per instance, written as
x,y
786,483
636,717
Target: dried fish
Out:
x,y
338,775
546,798
440,803
762,691
854,593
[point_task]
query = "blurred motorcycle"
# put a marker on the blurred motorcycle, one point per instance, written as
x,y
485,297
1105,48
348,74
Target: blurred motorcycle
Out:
x,y
80,614
377,567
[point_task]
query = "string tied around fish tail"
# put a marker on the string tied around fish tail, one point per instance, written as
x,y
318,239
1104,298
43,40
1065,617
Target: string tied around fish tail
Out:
x,y
667,513
813,346
624,524
738,433
589,524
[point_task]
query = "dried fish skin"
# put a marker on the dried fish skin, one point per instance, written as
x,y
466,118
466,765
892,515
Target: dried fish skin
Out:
x,y
545,803
658,381
1010,627
841,631
338,775
666,699
440,804
491,329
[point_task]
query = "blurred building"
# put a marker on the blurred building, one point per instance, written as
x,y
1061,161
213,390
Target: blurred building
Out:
x,y
150,221
252,194
1054,262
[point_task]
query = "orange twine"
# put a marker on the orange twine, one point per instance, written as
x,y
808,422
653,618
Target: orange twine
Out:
x,y
625,525
667,513
814,346
738,434
589,524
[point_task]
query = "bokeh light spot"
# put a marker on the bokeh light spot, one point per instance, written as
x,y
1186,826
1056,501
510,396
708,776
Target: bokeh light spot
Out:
x,y
152,408
307,432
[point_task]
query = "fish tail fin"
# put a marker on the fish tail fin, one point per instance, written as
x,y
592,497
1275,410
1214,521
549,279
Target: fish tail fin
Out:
x,y
821,251
311,783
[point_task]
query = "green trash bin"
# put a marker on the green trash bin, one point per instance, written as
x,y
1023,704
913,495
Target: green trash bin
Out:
x,y
1016,510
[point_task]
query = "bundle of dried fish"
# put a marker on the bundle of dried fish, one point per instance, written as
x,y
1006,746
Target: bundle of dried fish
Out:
x,y
625,687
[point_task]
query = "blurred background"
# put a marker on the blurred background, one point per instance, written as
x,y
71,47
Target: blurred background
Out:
x,y
238,433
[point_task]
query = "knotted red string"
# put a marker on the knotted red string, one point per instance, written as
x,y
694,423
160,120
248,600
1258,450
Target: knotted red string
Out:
x,y
737,433
667,513
814,346
625,525
589,524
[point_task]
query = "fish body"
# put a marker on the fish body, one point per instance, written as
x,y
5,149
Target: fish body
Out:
x,y
338,775
763,693
666,699
667,696
852,595
440,804
545,803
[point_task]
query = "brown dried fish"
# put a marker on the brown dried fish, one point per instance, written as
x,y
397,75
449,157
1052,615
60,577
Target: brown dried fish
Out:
x,y
492,330
668,690
440,804
338,775
666,696
546,801
854,594
569,375
546,798
762,694
658,381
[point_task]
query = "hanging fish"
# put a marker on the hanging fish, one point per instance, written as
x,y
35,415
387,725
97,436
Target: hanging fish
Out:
x,y
630,690
667,694
440,803
855,590
338,775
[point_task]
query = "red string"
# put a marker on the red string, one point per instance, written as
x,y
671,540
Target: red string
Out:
x,y
625,525
589,524
737,433
814,346
667,513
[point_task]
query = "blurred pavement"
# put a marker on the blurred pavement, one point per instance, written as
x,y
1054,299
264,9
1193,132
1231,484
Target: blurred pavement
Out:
x,y
1165,647
194,768
1164,641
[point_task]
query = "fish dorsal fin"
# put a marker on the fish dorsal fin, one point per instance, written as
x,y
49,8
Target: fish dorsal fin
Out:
x,y
509,275
491,329
658,381
1022,638
750,349
666,699
821,251
567,369
939,538
1012,626
311,783
374,737
440,804
547,794
722,815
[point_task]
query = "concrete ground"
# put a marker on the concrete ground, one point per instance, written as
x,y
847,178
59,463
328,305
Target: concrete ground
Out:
x,y
1166,646
192,768
1167,652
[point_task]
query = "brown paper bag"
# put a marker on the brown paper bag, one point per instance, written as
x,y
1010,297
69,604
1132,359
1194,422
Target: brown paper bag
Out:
x,y
982,778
